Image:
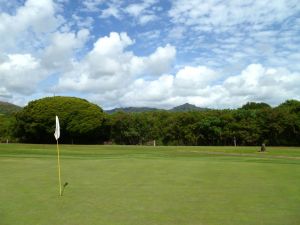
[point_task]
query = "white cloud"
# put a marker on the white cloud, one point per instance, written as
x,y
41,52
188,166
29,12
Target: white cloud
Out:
x,y
160,61
135,9
38,14
260,83
144,19
108,66
145,93
228,52
197,85
59,54
111,11
177,32
223,15
30,22
150,35
189,84
142,12
112,45
106,8
83,22
92,5
193,78
233,34
20,74
117,77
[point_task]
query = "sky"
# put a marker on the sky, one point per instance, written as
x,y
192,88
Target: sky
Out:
x,y
210,53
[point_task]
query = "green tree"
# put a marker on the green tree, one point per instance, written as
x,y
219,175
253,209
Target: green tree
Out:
x,y
255,105
124,129
6,128
80,121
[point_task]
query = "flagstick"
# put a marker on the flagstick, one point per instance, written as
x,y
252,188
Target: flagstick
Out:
x,y
58,164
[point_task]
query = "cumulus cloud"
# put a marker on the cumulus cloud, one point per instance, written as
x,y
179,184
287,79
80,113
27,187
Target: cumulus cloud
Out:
x,y
109,66
215,53
103,68
28,24
259,83
160,61
189,84
111,45
20,74
141,92
59,53
197,85
194,77
25,30
117,77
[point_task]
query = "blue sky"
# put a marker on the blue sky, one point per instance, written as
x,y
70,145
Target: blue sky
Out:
x,y
210,53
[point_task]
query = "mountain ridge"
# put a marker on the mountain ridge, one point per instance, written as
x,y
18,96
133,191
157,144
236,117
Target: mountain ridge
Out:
x,y
187,107
8,108
181,108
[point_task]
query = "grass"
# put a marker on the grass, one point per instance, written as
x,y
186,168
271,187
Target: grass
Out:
x,y
130,185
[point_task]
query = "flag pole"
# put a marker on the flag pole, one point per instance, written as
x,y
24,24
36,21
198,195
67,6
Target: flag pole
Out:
x,y
57,135
58,165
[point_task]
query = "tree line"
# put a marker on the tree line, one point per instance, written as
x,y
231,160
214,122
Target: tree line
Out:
x,y
253,124
86,123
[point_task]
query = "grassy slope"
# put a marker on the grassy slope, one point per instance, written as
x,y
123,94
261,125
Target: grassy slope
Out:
x,y
144,185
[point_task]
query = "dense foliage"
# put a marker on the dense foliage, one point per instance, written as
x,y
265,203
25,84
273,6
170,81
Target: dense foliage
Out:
x,y
7,120
80,121
83,122
6,128
252,124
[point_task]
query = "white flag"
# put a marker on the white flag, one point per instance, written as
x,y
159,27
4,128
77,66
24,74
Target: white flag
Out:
x,y
57,129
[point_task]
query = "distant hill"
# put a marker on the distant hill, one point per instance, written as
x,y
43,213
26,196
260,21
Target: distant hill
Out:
x,y
187,107
8,108
182,108
132,109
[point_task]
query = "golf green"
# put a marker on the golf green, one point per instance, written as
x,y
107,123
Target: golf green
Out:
x,y
128,185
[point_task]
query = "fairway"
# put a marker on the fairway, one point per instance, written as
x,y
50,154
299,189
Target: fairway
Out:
x,y
136,185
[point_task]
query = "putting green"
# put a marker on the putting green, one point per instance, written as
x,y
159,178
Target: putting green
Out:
x,y
130,185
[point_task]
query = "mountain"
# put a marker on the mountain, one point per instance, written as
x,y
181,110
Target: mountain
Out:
x,y
187,107
132,109
182,108
8,108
